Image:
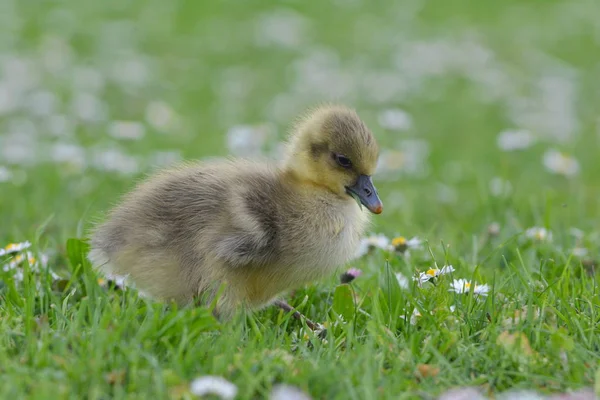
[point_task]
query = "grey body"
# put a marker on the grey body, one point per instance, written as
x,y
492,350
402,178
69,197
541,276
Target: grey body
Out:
x,y
257,228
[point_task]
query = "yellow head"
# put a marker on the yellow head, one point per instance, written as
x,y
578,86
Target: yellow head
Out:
x,y
331,147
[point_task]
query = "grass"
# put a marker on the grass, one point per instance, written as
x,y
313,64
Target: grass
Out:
x,y
463,73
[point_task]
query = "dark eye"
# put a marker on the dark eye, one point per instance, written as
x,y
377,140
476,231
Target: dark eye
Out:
x,y
343,160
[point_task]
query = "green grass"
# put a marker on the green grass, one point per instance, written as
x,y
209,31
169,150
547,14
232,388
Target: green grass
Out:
x,y
74,338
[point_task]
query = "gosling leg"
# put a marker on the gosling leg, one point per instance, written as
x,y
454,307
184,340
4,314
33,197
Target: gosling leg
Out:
x,y
296,314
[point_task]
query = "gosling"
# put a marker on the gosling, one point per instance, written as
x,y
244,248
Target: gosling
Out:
x,y
244,230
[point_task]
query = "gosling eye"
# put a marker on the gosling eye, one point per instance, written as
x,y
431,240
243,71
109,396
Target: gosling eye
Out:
x,y
343,161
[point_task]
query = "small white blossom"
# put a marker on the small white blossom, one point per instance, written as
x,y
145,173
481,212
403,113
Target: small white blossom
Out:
x,y
395,120
538,234
213,385
403,281
161,116
410,159
372,242
560,163
247,141
510,140
127,130
281,28
464,286
89,108
576,233
500,187
494,229
115,160
433,273
414,317
401,244
15,248
287,392
580,252
5,175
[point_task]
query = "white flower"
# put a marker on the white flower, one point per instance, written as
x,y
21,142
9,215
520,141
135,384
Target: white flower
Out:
x,y
89,108
14,248
446,194
538,234
282,28
29,257
510,140
115,160
372,242
128,130
580,252
401,244
42,103
5,174
213,385
433,273
161,116
16,263
500,187
576,233
410,159
246,140
287,392
464,286
395,120
402,280
494,229
413,317
560,163
522,395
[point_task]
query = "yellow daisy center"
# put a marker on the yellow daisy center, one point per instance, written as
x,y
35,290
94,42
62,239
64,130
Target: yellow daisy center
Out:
x,y
468,285
399,241
431,272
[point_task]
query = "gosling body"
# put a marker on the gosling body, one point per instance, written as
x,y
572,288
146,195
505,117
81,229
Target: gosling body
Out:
x,y
257,228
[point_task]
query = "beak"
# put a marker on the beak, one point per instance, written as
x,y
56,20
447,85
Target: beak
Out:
x,y
364,191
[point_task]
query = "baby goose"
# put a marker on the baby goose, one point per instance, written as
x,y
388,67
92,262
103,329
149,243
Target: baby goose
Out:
x,y
257,228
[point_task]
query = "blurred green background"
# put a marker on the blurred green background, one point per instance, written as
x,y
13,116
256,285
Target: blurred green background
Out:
x,y
488,119
437,81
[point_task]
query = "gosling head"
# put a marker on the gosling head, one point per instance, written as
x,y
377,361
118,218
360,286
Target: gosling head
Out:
x,y
331,147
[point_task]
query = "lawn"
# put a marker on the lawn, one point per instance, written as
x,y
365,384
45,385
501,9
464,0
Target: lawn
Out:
x,y
487,115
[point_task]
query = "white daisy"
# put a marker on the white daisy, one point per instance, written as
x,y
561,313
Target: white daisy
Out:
x,y
379,241
247,140
395,120
5,174
576,233
580,252
538,234
414,317
464,286
14,248
433,273
560,163
126,130
161,116
287,392
215,385
500,187
519,139
402,280
401,244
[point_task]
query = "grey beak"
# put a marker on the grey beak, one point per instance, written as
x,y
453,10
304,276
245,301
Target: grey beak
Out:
x,y
365,191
